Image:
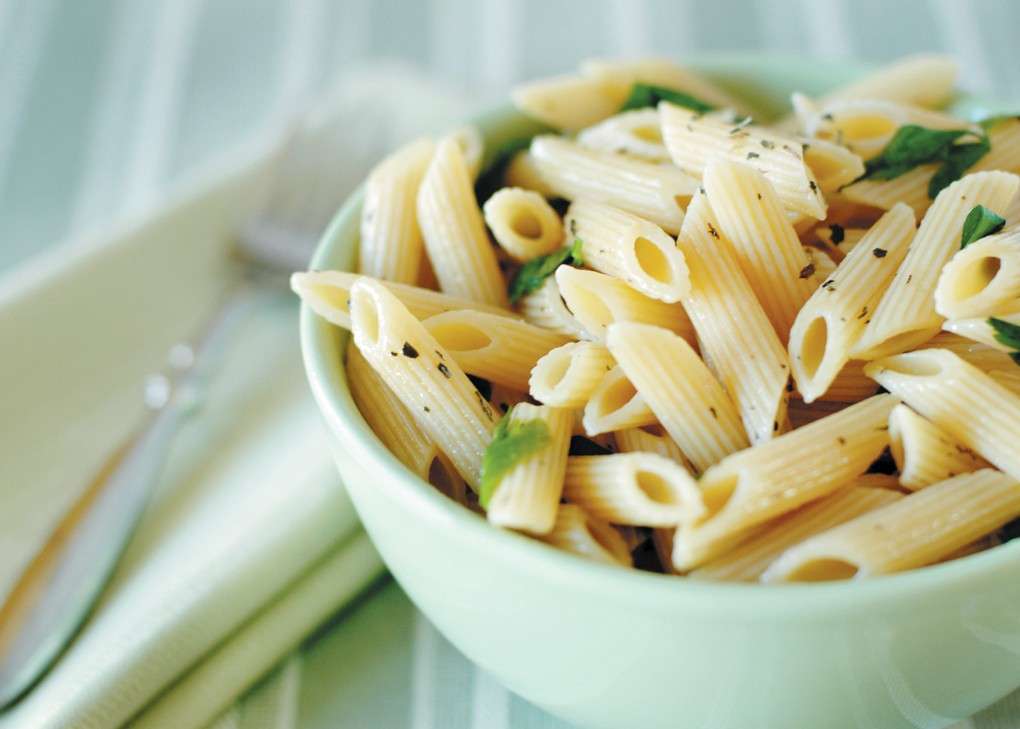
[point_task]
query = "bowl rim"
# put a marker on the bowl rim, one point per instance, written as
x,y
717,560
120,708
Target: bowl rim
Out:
x,y
405,490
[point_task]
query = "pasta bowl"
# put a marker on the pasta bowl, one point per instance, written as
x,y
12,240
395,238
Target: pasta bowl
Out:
x,y
614,648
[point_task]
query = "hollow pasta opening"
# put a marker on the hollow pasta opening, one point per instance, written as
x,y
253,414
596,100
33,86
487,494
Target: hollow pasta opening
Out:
x,y
460,337
976,276
648,133
553,370
823,569
856,128
652,260
813,345
916,364
365,315
526,224
589,308
615,397
335,297
656,487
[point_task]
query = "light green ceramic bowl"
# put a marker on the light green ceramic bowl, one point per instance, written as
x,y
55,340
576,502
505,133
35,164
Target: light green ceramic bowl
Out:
x,y
624,649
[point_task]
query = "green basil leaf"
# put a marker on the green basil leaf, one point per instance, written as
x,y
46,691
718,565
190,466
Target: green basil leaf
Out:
x,y
644,95
959,159
980,221
513,441
1006,333
491,178
533,274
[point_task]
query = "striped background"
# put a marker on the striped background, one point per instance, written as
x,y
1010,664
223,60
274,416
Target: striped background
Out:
x,y
104,103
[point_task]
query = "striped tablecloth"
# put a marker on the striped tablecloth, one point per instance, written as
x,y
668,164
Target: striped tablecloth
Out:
x,y
104,103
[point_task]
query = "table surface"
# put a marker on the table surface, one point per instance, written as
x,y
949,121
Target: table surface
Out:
x,y
107,102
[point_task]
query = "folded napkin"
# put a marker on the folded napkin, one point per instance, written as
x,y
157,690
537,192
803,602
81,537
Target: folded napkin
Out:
x,y
250,541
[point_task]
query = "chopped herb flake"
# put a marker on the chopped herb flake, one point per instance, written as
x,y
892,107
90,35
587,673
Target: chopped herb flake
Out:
x,y
644,95
837,234
808,271
534,273
513,441
980,221
409,351
879,252
445,370
914,145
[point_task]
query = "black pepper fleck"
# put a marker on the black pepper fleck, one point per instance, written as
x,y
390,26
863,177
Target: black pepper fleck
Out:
x,y
808,271
837,233
445,370
879,252
714,413
409,351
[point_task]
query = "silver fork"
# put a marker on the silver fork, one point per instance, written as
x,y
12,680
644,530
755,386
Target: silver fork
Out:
x,y
58,589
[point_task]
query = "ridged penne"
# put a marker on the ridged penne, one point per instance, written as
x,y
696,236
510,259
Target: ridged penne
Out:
x,y
391,244
524,172
833,165
639,440
923,80
387,416
924,452
919,529
967,403
641,489
446,406
828,325
597,300
580,533
527,497
636,133
866,126
620,75
633,250
753,486
734,333
472,147
906,317
764,243
980,330
912,187
497,348
569,102
523,223
684,395
658,193
982,279
546,308
328,294
747,561
566,376
451,224
980,355
615,404
694,141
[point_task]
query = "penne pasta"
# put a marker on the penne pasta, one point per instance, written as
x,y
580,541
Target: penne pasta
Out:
x,y
980,355
620,75
982,279
906,317
527,497
472,147
829,324
614,405
747,562
639,440
597,300
547,309
980,330
391,243
923,80
566,376
446,406
633,250
641,489
919,529
833,165
695,141
753,486
657,193
924,453
734,333
580,533
569,102
636,133
763,241
454,234
965,402
328,293
523,223
684,395
387,416
524,172
497,348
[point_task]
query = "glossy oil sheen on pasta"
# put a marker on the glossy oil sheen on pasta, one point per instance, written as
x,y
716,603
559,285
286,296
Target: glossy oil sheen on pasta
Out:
x,y
656,339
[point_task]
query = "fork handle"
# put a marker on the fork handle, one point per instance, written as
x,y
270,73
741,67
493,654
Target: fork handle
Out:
x,y
57,590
